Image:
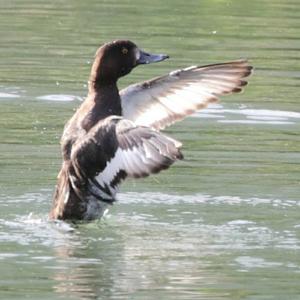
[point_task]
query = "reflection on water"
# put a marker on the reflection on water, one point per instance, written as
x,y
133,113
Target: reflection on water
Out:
x,y
75,276
187,237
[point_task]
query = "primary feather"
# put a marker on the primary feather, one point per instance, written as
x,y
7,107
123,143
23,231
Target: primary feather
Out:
x,y
164,100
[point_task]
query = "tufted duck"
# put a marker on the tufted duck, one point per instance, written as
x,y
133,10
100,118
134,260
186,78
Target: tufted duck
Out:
x,y
114,135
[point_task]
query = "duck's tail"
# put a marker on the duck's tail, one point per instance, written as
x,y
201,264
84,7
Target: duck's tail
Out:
x,y
66,200
61,194
75,198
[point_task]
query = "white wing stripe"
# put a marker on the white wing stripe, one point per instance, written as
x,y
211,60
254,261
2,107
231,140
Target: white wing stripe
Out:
x,y
137,161
111,170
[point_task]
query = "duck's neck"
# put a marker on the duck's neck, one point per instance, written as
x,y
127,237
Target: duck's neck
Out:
x,y
107,99
106,102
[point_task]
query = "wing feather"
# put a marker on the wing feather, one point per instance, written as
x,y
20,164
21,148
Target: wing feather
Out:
x,y
164,100
133,151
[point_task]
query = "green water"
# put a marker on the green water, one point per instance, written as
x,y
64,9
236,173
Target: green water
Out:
x,y
222,224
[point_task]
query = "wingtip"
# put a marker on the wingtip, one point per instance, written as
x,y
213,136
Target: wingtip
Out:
x,y
249,68
243,83
180,156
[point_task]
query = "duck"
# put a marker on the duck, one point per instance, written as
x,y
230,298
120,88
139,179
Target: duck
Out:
x,y
115,134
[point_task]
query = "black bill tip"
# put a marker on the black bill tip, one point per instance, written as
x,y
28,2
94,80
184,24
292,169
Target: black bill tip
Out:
x,y
146,58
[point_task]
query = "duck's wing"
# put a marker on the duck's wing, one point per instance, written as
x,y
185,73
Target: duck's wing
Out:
x,y
116,148
164,100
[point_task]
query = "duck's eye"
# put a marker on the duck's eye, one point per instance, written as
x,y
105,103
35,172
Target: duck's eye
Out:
x,y
124,50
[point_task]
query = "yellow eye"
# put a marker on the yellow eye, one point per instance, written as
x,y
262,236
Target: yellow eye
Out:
x,y
124,50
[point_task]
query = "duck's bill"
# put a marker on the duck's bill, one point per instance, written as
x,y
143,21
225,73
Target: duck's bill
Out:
x,y
146,58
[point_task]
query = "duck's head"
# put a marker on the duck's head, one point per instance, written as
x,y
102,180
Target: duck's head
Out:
x,y
116,59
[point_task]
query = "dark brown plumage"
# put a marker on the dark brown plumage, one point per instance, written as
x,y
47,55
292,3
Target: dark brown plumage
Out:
x,y
116,135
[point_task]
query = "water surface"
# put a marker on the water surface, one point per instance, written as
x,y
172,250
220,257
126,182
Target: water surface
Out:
x,y
222,224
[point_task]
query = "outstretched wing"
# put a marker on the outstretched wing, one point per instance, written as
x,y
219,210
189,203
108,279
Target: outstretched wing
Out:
x,y
116,148
164,100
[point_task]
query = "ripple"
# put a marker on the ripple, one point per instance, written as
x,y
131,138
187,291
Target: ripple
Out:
x,y
240,222
168,199
10,255
59,97
209,116
251,116
255,122
25,198
267,118
9,95
180,215
256,262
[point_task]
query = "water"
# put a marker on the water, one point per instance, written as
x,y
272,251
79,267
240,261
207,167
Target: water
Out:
x,y
222,224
